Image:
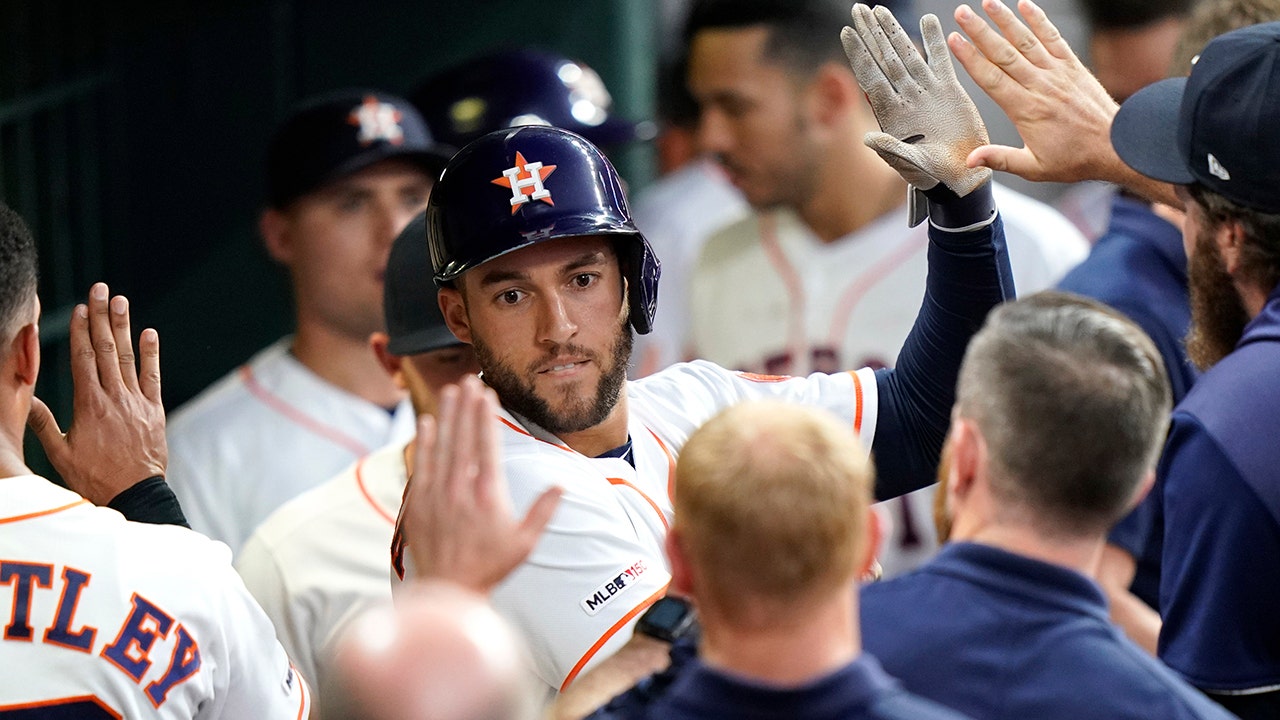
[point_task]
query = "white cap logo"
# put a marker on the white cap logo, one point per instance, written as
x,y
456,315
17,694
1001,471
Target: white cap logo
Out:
x,y
377,121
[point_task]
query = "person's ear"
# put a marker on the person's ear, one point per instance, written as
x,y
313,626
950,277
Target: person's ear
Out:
x,y
968,452
454,309
1230,237
273,225
24,353
1140,492
833,92
379,342
873,539
681,573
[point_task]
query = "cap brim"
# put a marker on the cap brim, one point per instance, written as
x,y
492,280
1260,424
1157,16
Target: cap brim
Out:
x,y
432,160
1145,132
422,341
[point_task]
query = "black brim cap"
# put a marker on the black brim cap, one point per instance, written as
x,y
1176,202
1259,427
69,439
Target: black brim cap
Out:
x,y
410,305
1145,132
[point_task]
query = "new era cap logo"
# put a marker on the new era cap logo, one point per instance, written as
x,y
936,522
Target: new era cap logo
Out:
x,y
377,121
1216,169
525,181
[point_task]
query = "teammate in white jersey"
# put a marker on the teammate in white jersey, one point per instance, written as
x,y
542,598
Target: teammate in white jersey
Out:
x,y
346,172
542,271
106,618
320,558
823,275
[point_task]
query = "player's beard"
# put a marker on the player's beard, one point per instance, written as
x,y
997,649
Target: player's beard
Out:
x,y
1218,315
578,411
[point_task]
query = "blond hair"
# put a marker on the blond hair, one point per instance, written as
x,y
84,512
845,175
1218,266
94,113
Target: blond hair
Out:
x,y
771,502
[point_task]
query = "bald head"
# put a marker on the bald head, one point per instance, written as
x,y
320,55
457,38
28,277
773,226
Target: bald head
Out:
x,y
441,653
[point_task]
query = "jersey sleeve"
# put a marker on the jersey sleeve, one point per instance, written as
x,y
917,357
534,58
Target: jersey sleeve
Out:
x,y
259,567
1220,568
578,595
256,678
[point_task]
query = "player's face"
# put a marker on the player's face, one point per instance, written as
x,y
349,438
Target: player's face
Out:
x,y
755,116
336,240
549,327
1218,314
1126,61
426,374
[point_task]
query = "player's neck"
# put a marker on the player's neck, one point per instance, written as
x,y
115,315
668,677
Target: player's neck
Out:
x,y
786,649
11,462
346,363
604,436
1081,554
853,190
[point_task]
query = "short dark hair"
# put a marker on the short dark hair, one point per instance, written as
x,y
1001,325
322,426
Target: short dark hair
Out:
x,y
1132,14
1073,402
19,270
1260,252
803,34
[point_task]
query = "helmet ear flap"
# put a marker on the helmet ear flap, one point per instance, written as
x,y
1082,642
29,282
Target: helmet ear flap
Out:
x,y
641,268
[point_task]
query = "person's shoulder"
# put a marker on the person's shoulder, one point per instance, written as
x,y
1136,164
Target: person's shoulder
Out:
x,y
899,704
732,240
227,404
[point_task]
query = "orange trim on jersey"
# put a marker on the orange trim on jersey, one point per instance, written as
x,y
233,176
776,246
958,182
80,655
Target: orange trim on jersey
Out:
x,y
522,431
299,417
369,496
41,513
573,674
619,481
671,466
857,398
64,701
305,702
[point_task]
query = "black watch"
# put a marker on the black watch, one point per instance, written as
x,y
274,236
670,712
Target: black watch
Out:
x,y
669,619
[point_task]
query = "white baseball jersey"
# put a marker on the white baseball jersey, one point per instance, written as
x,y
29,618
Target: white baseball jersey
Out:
x,y
265,433
600,563
768,296
322,557
112,619
677,214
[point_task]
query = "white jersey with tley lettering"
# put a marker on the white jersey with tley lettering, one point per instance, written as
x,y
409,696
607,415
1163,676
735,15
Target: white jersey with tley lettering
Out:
x,y
768,296
600,562
113,619
322,557
264,434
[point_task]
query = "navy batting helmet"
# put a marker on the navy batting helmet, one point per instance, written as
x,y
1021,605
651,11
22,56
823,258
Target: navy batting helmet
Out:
x,y
516,187
524,86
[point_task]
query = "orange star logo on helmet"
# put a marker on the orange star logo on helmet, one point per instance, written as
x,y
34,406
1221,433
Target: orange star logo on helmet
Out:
x,y
525,182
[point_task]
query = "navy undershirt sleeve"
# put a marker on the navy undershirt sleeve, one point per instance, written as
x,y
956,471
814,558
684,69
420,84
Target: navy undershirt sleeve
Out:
x,y
150,501
969,274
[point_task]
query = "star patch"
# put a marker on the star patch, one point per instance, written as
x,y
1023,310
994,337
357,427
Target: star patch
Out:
x,y
525,181
377,121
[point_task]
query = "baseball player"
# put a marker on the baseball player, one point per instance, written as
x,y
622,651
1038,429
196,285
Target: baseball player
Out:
x,y
106,618
542,271
345,173
834,278
321,557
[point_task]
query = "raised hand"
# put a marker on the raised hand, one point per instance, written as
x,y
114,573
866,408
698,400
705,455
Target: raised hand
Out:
x,y
456,522
928,123
116,438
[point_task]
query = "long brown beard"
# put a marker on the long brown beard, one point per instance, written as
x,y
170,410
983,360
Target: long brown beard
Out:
x,y
1218,315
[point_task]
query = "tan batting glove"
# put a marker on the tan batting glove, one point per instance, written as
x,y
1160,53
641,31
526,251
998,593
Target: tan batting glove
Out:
x,y
928,123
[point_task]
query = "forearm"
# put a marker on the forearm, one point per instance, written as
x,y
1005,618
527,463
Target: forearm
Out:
x,y
968,275
641,657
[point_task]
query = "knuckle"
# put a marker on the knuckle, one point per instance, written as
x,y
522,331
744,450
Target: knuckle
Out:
x,y
86,352
126,358
105,347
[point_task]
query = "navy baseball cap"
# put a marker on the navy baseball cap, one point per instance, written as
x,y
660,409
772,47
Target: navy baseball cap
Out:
x,y
413,316
1220,127
334,135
